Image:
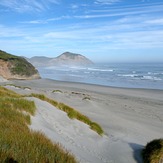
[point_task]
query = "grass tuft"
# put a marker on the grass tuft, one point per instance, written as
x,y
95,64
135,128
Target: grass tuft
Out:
x,y
86,98
8,93
21,87
18,104
44,98
153,152
96,127
57,91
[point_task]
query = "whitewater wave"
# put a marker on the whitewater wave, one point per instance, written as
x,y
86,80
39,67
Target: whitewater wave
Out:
x,y
142,77
102,70
121,75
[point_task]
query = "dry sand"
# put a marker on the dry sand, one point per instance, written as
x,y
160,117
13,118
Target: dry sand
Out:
x,y
2,79
129,117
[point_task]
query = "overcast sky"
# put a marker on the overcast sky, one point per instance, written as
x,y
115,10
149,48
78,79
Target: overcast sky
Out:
x,y
102,30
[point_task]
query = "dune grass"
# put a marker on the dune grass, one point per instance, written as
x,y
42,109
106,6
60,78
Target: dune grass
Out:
x,y
21,87
72,113
57,91
17,142
86,98
153,152
8,93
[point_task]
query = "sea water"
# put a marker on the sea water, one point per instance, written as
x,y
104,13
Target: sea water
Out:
x,y
129,75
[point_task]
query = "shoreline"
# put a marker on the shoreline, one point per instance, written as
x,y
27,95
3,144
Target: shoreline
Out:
x,y
67,83
89,87
100,85
129,117
103,85
3,81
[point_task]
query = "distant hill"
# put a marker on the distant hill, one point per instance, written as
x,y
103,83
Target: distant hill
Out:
x,y
39,61
14,67
66,58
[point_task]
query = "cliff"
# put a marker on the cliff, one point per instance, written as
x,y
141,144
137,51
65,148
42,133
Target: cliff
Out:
x,y
14,67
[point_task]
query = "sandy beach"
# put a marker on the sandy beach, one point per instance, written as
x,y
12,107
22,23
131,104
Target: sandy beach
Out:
x,y
129,117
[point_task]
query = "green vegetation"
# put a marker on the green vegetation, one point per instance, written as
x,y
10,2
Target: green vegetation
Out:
x,y
22,67
5,56
21,87
8,93
17,142
57,91
86,98
44,98
153,152
72,113
77,93
18,65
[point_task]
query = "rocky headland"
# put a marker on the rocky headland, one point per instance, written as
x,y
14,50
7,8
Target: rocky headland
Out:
x,y
67,58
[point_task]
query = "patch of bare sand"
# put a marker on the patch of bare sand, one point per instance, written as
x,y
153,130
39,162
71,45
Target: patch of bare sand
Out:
x,y
2,79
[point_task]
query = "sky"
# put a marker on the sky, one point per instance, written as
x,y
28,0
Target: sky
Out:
x,y
102,30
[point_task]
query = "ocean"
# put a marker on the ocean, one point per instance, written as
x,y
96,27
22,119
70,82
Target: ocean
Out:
x,y
135,75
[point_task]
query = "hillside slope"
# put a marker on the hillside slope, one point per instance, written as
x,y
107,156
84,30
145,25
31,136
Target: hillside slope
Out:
x,y
66,58
72,58
14,67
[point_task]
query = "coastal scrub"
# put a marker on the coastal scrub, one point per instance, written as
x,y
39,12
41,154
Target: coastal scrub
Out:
x,y
18,65
153,152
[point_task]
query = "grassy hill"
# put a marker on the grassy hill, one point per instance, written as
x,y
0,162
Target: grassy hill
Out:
x,y
18,65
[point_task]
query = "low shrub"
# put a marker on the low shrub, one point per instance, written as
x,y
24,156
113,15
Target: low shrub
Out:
x,y
21,87
153,152
57,91
86,98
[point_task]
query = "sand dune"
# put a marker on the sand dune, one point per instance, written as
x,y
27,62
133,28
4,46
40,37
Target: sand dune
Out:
x,y
130,118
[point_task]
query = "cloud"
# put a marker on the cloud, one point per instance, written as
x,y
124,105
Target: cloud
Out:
x,y
74,6
138,39
98,38
35,22
116,36
106,2
155,21
45,21
7,32
61,35
128,32
125,11
27,5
